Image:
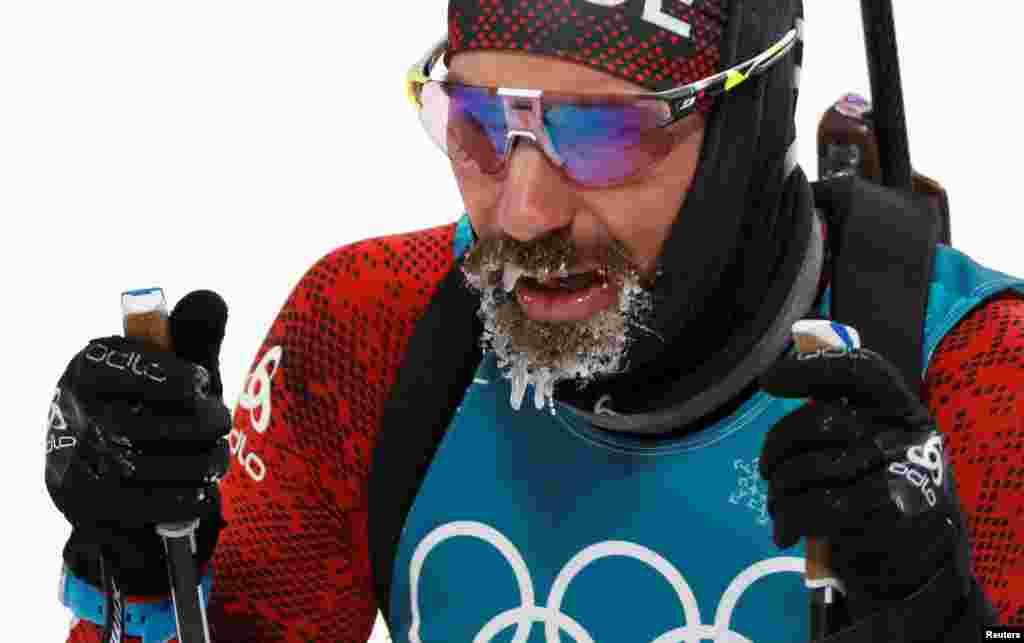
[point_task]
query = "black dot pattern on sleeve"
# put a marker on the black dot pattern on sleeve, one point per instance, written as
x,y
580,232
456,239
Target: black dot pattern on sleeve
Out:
x,y
293,564
975,388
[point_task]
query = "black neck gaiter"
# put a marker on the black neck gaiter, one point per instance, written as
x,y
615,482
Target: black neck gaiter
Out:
x,y
701,378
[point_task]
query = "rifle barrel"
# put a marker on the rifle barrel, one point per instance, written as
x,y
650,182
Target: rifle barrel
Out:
x,y
886,92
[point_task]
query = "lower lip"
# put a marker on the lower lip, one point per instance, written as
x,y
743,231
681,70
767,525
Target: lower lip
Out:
x,y
566,305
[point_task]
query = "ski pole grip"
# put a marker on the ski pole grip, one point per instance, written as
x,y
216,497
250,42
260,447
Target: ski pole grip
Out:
x,y
145,317
819,556
811,336
819,560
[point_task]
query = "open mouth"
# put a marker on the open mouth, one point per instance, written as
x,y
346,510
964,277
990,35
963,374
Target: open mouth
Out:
x,y
560,296
578,281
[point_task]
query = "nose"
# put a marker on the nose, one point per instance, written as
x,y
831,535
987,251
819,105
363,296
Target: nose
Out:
x,y
535,198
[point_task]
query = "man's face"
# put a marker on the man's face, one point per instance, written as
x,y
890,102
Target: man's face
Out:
x,y
534,221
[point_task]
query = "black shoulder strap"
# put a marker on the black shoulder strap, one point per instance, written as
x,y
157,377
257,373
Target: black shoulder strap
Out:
x,y
442,355
883,247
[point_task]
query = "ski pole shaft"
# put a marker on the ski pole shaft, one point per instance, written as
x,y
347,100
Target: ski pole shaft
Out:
x,y
819,578
189,606
145,317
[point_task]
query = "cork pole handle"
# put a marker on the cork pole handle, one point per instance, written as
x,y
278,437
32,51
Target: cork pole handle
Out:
x,y
819,560
145,317
152,328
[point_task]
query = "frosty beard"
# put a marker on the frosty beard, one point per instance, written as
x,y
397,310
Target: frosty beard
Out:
x,y
543,353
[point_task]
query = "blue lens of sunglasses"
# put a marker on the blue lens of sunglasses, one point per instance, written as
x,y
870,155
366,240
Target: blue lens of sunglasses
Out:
x,y
603,144
598,144
485,111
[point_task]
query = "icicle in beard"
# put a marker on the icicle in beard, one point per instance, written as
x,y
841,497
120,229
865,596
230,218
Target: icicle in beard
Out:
x,y
541,353
736,247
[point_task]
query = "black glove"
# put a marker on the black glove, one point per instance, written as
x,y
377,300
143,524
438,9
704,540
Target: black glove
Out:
x,y
862,465
136,438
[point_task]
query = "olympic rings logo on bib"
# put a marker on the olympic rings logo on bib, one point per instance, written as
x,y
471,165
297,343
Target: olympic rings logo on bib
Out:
x,y
555,621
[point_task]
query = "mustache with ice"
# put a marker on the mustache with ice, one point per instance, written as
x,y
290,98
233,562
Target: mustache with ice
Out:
x,y
543,353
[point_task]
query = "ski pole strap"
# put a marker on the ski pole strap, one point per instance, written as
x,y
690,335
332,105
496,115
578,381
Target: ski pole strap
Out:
x,y
152,621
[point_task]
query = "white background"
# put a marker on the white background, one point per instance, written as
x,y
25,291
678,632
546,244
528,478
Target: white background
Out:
x,y
228,145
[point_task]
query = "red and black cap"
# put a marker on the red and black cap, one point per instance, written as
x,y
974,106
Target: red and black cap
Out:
x,y
658,44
